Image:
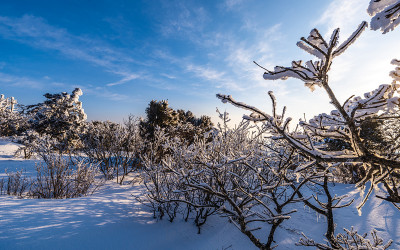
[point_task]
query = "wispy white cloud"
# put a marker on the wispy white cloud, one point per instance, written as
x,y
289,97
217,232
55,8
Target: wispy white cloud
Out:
x,y
240,55
189,21
230,62
59,84
217,78
104,93
227,59
17,81
230,4
36,32
205,72
364,64
168,76
128,77
182,18
343,14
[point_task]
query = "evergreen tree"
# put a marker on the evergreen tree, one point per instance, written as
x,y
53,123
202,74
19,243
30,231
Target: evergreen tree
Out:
x,y
180,123
158,114
61,116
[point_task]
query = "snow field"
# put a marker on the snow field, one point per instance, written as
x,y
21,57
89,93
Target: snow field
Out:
x,y
112,219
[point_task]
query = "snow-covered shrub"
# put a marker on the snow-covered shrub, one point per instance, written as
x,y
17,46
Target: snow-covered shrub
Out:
x,y
16,184
36,145
33,144
349,240
233,172
160,183
164,187
59,178
376,136
115,147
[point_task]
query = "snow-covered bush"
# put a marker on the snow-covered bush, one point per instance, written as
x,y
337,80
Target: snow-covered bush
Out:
x,y
39,146
343,123
113,146
236,173
16,184
351,240
35,145
160,183
58,178
11,120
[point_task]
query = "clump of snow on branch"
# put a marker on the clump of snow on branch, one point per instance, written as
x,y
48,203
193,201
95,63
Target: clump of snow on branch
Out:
x,y
395,74
385,14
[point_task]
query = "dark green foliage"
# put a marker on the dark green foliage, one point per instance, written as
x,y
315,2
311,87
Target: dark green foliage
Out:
x,y
336,144
158,114
180,123
188,117
372,133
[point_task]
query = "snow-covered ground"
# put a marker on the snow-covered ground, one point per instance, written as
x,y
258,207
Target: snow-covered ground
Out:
x,y
112,219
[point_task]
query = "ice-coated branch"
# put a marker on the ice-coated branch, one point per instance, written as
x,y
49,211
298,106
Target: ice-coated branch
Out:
x,y
382,100
313,73
304,146
308,73
385,14
351,39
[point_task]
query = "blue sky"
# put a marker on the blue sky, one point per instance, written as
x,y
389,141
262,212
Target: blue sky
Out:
x,y
123,54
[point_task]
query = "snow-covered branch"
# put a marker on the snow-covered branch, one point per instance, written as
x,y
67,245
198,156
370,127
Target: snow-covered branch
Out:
x,y
385,14
313,73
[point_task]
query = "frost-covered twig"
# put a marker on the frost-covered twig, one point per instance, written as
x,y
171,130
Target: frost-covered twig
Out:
x,y
350,239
